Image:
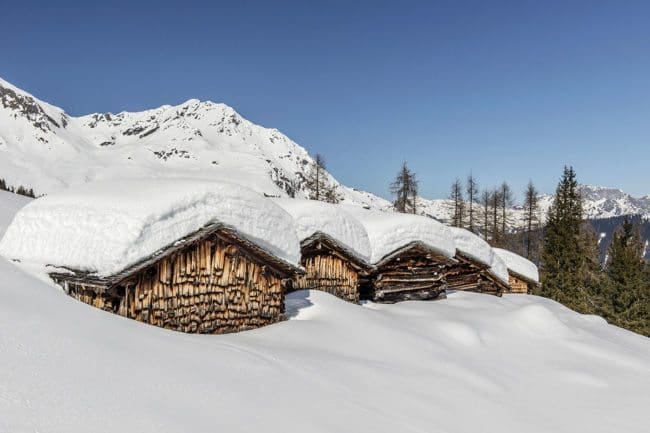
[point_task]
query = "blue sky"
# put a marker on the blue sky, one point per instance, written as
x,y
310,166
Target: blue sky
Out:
x,y
509,90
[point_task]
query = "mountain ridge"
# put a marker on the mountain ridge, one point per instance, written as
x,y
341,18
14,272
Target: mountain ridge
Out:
x,y
45,148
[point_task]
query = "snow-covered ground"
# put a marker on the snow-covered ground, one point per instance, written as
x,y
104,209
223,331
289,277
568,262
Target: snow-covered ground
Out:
x,y
465,364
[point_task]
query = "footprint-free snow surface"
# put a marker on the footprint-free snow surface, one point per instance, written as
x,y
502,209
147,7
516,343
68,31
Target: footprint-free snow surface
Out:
x,y
465,364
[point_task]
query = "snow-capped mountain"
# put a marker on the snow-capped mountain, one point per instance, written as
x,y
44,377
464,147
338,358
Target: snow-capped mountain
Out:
x,y
44,148
599,202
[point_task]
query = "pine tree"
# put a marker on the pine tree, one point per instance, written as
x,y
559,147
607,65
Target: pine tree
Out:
x,y
405,190
458,203
627,272
531,218
506,201
472,198
318,184
563,255
485,203
495,214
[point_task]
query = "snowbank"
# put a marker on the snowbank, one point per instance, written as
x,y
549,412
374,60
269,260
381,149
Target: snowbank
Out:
x,y
388,231
518,264
497,362
311,217
478,249
465,364
105,227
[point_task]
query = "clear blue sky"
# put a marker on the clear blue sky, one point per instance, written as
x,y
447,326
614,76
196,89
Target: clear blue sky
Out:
x,y
509,90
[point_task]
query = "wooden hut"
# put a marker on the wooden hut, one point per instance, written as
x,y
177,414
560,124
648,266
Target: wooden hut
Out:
x,y
523,275
334,248
212,281
478,268
203,259
409,254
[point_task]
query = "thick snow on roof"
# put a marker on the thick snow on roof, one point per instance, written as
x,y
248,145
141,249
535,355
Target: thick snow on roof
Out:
x,y
472,246
105,227
311,216
518,264
389,231
498,268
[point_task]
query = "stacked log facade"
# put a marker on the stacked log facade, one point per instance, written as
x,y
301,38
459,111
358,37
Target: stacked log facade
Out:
x,y
468,275
413,274
211,286
519,285
330,273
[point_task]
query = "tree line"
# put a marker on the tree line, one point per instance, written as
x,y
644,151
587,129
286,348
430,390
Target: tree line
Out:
x,y
28,192
565,248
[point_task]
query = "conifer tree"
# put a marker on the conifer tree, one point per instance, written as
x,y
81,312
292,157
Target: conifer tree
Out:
x,y
628,284
405,190
458,203
531,218
472,198
485,204
318,184
563,255
495,213
506,201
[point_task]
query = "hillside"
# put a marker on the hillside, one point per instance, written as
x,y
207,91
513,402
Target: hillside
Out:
x,y
46,149
471,362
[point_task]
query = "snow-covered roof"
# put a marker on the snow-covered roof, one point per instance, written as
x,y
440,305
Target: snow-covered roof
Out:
x,y
103,228
498,268
518,264
472,246
390,231
312,217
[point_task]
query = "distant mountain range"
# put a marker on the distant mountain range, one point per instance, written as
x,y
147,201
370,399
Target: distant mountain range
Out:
x,y
599,203
44,148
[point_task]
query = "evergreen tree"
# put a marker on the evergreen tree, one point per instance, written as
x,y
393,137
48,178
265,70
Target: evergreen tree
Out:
x,y
531,219
318,183
495,213
458,203
485,203
563,255
472,198
405,190
506,201
628,284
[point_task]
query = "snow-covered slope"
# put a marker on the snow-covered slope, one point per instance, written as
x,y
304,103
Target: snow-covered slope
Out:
x,y
43,148
468,363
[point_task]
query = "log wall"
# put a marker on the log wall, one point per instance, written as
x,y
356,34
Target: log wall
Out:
x,y
413,275
330,273
517,285
211,286
471,278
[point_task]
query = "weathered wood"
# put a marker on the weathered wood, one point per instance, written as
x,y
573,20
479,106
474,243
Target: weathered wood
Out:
x,y
331,268
212,285
415,273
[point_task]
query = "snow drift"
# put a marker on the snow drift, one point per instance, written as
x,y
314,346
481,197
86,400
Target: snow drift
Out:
x,y
105,227
468,363
518,264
